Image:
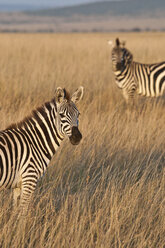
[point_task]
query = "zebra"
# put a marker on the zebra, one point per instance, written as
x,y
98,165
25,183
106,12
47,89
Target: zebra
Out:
x,y
133,77
26,148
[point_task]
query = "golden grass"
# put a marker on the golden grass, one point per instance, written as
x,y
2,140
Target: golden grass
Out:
x,y
110,190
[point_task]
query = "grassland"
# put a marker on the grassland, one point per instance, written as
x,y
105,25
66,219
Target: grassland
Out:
x,y
108,192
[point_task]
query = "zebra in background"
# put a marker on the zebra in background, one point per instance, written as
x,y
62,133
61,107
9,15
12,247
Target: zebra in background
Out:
x,y
144,79
26,148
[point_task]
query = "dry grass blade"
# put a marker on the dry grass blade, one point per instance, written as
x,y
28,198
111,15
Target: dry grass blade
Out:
x,y
110,190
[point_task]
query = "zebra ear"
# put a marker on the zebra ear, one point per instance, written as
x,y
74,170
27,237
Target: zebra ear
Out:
x,y
110,42
123,43
77,96
117,42
59,95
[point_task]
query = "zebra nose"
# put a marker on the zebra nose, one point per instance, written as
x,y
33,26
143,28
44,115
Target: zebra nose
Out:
x,y
76,136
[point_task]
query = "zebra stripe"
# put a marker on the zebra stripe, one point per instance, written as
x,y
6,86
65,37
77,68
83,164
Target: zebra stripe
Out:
x,y
26,148
144,79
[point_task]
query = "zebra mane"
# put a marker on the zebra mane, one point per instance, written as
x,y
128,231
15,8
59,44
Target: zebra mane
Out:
x,y
41,109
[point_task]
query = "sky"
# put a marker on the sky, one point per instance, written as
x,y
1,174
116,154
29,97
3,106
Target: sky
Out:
x,y
20,5
47,2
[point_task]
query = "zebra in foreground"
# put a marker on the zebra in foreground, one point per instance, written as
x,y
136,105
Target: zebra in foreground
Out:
x,y
144,79
26,148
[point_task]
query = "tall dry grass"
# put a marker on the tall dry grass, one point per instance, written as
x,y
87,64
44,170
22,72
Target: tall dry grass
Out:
x,y
110,190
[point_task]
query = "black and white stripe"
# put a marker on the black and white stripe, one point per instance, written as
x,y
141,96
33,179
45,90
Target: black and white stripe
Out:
x,y
144,79
26,148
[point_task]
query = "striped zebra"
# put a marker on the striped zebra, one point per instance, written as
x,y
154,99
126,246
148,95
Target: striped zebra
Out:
x,y
26,148
133,77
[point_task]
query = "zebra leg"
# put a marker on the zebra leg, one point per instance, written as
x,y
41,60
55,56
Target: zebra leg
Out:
x,y
130,104
129,97
126,96
28,188
16,196
127,100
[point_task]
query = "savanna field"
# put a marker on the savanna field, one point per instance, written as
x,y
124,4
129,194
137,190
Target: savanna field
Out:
x,y
109,191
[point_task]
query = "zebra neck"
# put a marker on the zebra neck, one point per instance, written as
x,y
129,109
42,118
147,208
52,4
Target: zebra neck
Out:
x,y
123,75
120,73
45,135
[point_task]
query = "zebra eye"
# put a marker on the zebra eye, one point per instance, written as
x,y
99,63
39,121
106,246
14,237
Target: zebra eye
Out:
x,y
61,115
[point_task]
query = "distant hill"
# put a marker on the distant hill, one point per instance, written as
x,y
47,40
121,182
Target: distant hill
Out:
x,y
16,7
105,16
116,8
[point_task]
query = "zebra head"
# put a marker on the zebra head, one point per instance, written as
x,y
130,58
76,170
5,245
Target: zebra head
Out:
x,y
121,57
68,114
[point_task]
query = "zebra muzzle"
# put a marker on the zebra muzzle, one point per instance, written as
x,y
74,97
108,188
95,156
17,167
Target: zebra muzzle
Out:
x,y
76,136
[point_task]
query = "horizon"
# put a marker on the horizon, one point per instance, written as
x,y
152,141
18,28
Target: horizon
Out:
x,y
18,5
